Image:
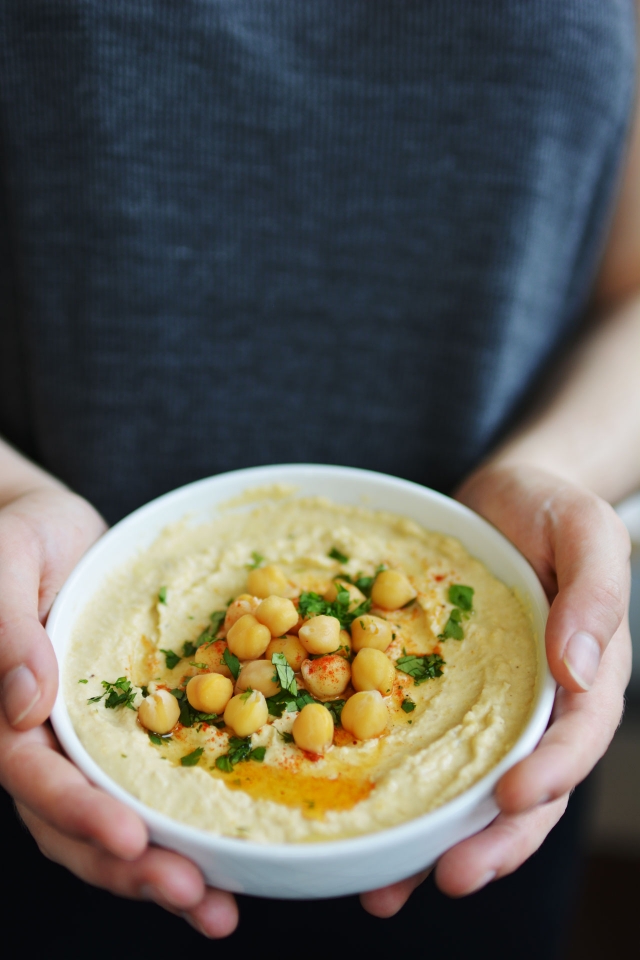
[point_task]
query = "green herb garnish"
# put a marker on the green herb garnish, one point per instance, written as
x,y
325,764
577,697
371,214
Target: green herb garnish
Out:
x,y
335,709
199,666
407,705
223,763
83,681
246,694
232,662
162,595
421,668
461,596
284,675
171,659
193,758
118,694
313,605
286,736
155,739
257,559
453,627
335,554
239,750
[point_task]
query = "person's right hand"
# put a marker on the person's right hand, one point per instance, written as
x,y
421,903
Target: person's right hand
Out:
x,y
43,534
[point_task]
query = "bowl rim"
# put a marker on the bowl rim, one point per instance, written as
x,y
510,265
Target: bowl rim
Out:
x,y
163,825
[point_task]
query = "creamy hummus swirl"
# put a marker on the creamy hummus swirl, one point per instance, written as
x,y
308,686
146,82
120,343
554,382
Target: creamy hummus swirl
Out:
x,y
462,724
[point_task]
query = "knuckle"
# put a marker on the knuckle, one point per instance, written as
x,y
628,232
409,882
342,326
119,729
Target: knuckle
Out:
x,y
609,596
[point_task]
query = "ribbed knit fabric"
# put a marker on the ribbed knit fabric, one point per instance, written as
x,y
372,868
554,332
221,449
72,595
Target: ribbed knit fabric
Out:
x,y
251,231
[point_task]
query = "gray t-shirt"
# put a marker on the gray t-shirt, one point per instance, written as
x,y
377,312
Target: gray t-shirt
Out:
x,y
241,232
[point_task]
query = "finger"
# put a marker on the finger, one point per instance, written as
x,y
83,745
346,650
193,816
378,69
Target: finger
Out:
x,y
388,901
583,727
592,549
28,667
158,875
36,775
496,851
215,916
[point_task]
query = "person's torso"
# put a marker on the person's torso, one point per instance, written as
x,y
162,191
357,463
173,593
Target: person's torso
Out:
x,y
244,232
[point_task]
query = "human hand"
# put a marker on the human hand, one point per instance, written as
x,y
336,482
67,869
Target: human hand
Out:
x,y
43,534
580,550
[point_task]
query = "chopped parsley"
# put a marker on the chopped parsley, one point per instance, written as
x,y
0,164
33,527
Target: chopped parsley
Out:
x,y
421,668
313,605
83,681
208,635
171,659
199,666
246,694
285,701
284,675
193,758
335,554
362,582
286,736
408,705
461,596
232,662
155,738
256,559
239,750
118,694
453,627
462,599
335,709
162,595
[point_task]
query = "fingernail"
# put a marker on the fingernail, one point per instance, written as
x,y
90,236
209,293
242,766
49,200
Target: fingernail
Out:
x,y
582,658
20,693
482,882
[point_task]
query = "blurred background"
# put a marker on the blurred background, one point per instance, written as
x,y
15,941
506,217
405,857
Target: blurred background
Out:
x,y
606,920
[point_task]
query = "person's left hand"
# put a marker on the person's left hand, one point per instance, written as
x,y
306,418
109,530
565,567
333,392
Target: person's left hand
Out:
x,y
580,550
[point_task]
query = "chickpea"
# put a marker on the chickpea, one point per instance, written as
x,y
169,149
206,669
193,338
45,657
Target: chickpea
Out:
x,y
391,590
292,649
159,712
212,654
356,597
370,631
313,728
246,713
364,715
320,634
372,670
268,581
209,692
344,650
247,638
327,676
245,603
278,614
258,674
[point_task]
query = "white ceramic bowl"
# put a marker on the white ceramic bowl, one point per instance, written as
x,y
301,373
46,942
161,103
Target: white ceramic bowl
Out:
x,y
303,871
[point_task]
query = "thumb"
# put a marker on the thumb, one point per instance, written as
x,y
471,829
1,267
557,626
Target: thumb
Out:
x,y
28,667
591,548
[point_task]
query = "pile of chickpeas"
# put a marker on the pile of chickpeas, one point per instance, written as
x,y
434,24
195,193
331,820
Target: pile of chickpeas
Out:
x,y
265,621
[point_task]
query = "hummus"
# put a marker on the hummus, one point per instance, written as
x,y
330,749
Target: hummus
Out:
x,y
463,652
